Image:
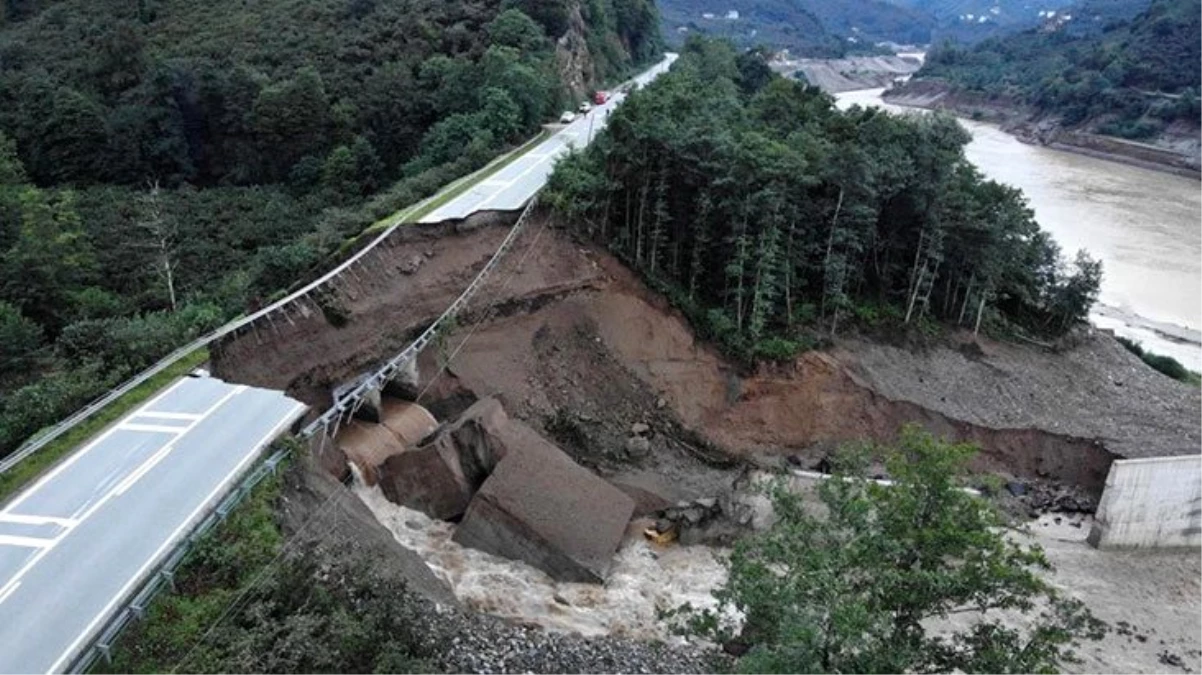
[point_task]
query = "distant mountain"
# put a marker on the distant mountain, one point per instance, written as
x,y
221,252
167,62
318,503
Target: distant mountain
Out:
x,y
1091,68
972,20
824,28
975,20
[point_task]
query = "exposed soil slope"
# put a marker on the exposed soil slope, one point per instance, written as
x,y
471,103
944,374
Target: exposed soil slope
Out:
x,y
578,347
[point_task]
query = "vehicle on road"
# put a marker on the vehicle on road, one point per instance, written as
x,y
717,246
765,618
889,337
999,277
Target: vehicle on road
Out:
x,y
585,107
567,117
600,97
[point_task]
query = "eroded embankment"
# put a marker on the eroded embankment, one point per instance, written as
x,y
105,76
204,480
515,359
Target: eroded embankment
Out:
x,y
377,306
579,348
1175,150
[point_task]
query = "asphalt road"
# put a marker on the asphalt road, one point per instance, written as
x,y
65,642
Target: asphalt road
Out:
x,y
510,188
76,543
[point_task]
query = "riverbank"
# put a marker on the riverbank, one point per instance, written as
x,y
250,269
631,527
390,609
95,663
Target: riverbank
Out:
x,y
1142,224
1176,151
851,73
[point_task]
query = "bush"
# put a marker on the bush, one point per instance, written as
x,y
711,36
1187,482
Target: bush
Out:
x,y
48,400
1165,364
778,349
852,590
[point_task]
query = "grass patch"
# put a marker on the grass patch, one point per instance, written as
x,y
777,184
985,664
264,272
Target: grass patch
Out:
x,y
221,566
33,466
420,210
246,601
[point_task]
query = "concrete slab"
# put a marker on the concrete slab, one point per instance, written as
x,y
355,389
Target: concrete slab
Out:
x,y
540,507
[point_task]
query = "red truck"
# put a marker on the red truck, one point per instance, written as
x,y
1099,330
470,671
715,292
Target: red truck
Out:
x,y
600,98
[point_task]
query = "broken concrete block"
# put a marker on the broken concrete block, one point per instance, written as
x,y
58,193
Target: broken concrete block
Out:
x,y
367,445
540,507
409,422
646,502
427,479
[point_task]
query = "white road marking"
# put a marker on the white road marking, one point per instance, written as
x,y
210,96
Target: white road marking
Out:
x,y
75,457
141,470
496,183
120,489
27,542
37,520
152,428
7,591
175,536
167,415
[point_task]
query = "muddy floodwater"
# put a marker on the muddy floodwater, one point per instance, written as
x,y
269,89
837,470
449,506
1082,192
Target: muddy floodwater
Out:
x,y
1145,226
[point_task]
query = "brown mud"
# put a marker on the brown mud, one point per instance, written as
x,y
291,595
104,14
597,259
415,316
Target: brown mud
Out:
x,y
578,347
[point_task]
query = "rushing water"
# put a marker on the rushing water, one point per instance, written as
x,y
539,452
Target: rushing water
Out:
x,y
1145,226
644,580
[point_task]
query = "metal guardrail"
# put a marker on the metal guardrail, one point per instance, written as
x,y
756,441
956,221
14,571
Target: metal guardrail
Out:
x,y
374,380
164,576
139,602
136,608
49,435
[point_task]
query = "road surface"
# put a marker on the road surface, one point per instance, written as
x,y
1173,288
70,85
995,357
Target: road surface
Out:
x,y
510,188
76,543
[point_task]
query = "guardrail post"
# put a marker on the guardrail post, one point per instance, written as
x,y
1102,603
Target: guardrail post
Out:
x,y
106,650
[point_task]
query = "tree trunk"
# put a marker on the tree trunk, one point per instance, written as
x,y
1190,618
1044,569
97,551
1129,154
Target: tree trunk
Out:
x,y
980,312
170,274
914,293
789,274
830,245
914,272
947,295
638,236
967,295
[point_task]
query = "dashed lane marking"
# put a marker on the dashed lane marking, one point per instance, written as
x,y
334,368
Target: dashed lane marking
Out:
x,y
25,519
167,415
27,542
152,428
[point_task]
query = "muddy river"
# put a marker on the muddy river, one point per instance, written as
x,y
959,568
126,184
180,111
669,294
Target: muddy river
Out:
x,y
1144,225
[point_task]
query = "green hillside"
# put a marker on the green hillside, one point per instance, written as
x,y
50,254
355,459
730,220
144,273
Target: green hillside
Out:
x,y
166,164
1132,77
819,28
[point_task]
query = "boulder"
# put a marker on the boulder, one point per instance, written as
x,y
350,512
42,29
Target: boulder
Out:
x,y
638,447
482,437
439,476
540,507
428,479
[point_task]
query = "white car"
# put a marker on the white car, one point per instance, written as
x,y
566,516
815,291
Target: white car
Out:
x,y
586,107
567,117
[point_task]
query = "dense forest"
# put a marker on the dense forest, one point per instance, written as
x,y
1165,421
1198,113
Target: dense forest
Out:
x,y
771,218
817,28
968,21
1132,77
166,165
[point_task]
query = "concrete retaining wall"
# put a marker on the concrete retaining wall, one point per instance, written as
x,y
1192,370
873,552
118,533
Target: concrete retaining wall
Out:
x,y
1155,502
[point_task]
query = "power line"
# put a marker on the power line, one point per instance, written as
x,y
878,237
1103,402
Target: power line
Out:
x,y
320,511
